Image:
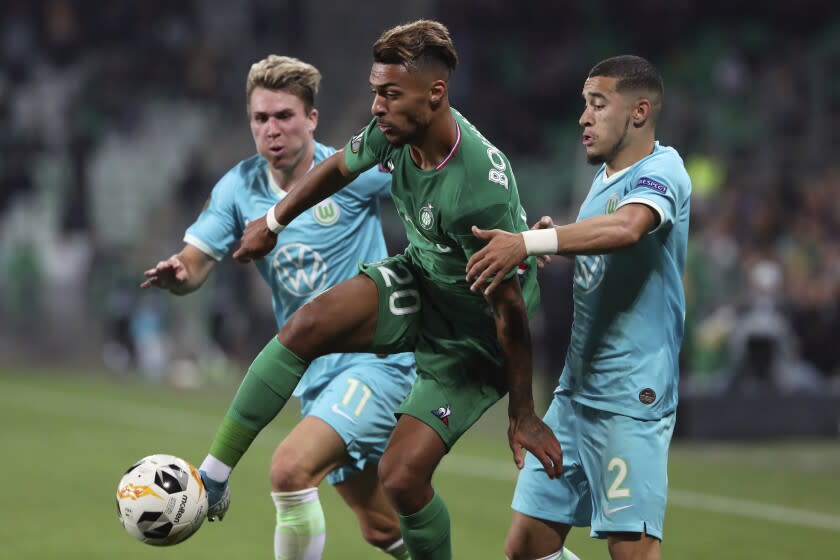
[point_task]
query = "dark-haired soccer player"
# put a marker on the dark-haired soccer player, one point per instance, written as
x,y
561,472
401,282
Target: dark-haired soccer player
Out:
x,y
470,350
613,411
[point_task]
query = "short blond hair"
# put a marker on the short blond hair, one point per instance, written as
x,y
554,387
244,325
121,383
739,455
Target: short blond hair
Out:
x,y
416,45
284,73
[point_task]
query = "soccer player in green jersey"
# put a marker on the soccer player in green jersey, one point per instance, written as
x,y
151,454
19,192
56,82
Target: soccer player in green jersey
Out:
x,y
470,350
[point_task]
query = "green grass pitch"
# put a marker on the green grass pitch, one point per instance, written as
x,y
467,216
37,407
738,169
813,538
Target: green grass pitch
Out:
x,y
66,440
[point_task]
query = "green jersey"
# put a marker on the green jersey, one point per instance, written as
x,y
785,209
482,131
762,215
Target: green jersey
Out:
x,y
474,185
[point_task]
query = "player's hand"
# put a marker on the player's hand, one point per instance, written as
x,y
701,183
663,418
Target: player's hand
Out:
x,y
166,275
257,241
531,433
544,223
502,254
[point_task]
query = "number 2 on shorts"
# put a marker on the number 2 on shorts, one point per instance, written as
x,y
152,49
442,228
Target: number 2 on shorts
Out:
x,y
615,490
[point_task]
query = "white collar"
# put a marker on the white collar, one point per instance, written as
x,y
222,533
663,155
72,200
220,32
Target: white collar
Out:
x,y
272,184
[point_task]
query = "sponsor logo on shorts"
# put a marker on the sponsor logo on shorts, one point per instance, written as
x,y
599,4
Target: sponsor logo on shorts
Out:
x,y
443,413
651,184
342,413
647,396
610,511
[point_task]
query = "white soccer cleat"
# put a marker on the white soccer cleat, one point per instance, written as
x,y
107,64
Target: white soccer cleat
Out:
x,y
218,497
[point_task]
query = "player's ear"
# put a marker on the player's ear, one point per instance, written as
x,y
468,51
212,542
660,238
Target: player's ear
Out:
x,y
313,120
437,93
641,112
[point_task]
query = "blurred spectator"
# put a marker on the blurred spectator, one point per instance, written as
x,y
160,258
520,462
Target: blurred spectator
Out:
x,y
763,346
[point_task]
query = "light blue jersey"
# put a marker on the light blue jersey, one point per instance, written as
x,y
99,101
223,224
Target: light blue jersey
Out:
x,y
319,249
629,306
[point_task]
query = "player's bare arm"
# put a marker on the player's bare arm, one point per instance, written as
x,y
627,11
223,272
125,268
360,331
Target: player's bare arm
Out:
x,y
526,430
325,179
180,274
594,236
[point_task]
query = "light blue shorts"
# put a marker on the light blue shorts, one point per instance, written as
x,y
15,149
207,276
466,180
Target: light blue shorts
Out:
x,y
615,472
359,404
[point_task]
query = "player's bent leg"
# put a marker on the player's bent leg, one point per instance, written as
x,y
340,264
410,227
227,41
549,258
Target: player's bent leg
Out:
x,y
545,509
530,538
300,463
633,546
342,319
410,460
305,456
413,453
378,521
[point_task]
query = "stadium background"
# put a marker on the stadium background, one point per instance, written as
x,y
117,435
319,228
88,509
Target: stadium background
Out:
x,y
117,117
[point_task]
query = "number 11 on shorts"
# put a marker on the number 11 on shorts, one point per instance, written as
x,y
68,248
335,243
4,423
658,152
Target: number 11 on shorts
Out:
x,y
353,385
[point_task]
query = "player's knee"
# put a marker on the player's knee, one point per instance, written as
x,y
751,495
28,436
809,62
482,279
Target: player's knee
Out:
x,y
398,478
289,473
514,549
522,544
300,326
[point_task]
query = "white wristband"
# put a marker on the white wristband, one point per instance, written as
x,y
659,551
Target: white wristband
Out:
x,y
540,241
271,221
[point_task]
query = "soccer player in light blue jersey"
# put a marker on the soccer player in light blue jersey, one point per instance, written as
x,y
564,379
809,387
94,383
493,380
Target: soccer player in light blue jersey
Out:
x,y
347,400
614,408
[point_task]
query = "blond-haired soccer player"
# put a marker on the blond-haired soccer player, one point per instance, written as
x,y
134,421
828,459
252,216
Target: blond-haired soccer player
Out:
x,y
347,400
470,350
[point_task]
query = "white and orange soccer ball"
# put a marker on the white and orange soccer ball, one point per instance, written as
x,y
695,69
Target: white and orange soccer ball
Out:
x,y
161,500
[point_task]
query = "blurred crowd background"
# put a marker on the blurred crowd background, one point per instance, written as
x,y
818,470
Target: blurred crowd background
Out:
x,y
117,117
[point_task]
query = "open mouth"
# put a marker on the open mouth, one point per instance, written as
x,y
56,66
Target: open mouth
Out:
x,y
587,140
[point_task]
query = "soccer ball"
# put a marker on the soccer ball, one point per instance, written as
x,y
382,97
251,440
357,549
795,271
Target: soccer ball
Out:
x,y
161,500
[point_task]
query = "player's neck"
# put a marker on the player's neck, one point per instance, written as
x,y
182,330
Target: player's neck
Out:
x,y
634,152
437,141
286,178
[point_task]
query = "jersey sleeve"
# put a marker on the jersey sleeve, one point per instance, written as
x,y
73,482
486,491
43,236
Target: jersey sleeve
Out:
x,y
217,227
659,189
365,149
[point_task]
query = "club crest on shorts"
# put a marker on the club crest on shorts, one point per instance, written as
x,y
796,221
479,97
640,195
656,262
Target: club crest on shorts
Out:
x,y
427,218
443,413
647,396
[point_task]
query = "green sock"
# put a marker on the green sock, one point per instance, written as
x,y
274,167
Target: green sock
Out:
x,y
427,532
267,386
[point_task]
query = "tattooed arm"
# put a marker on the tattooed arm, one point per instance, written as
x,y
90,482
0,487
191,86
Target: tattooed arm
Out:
x,y
526,430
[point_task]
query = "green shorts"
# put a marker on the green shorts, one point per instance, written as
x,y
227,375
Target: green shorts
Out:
x,y
460,369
